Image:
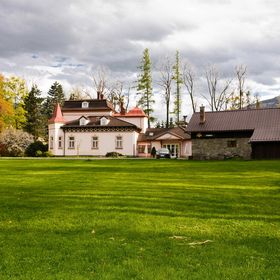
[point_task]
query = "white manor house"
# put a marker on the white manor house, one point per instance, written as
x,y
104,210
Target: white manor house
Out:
x,y
93,128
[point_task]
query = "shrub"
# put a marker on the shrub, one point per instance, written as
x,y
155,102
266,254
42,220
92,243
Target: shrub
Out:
x,y
14,142
47,154
36,149
38,153
113,154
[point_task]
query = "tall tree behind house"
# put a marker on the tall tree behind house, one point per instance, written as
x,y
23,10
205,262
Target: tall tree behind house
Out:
x,y
34,114
165,82
144,87
177,77
189,80
55,95
218,89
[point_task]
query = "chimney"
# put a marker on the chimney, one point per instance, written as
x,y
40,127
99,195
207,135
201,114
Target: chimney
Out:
x,y
122,108
185,118
202,115
98,95
101,96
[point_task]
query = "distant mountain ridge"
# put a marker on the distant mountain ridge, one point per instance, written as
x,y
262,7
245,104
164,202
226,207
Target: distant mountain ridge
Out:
x,y
270,103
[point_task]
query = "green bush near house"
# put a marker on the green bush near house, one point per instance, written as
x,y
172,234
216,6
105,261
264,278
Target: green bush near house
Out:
x,y
113,154
139,219
36,149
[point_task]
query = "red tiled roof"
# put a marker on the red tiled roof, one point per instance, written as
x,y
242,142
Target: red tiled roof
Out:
x,y
154,133
57,115
135,112
264,122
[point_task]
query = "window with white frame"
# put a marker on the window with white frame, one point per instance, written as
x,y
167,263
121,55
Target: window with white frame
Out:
x,y
94,142
141,149
60,142
104,121
51,142
119,142
83,121
85,104
71,142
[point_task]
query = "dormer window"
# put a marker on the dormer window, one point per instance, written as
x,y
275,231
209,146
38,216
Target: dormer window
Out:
x,y
151,134
104,121
85,104
83,121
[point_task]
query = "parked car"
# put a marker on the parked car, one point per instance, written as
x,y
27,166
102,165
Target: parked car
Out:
x,y
163,153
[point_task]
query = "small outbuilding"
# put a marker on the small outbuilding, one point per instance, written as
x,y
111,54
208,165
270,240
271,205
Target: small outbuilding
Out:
x,y
250,133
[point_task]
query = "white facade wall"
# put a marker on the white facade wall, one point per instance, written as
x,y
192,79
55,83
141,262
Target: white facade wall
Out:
x,y
187,148
141,122
106,143
56,132
156,144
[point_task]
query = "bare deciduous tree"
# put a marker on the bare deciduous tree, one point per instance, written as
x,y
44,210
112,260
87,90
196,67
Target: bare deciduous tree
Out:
x,y
115,94
127,97
119,95
111,89
101,81
241,71
165,82
218,94
77,93
189,82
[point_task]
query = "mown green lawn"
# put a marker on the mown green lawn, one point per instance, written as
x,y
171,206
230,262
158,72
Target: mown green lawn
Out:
x,y
139,219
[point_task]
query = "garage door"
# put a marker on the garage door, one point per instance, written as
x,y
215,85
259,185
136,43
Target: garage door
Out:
x,y
266,150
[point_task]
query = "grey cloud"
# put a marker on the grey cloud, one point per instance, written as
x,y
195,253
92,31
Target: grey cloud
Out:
x,y
67,40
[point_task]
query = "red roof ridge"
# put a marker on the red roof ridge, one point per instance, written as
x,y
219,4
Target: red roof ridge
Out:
x,y
136,111
57,115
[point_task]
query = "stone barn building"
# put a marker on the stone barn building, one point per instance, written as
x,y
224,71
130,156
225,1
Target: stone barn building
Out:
x,y
248,134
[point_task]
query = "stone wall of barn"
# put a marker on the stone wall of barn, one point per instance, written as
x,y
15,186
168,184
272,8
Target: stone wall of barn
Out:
x,y
217,148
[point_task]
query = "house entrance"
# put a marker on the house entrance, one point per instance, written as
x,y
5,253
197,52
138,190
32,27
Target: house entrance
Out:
x,y
173,148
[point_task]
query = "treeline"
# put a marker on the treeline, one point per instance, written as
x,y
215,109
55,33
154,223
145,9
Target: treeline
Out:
x,y
24,114
177,80
25,109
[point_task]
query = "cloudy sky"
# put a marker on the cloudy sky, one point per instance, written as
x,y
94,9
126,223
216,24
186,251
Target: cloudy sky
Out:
x,y
67,40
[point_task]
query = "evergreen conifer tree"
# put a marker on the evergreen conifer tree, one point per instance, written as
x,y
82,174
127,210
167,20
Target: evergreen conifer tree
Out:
x,y
177,77
144,87
55,95
34,115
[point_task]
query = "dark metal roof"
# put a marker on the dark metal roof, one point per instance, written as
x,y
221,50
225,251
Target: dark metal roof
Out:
x,y
93,105
154,133
264,122
94,121
266,134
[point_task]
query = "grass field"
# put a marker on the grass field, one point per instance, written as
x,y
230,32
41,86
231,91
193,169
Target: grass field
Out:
x,y
139,219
